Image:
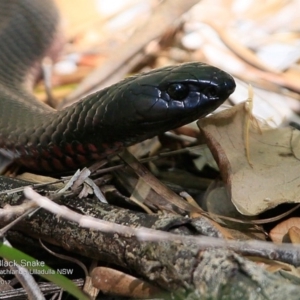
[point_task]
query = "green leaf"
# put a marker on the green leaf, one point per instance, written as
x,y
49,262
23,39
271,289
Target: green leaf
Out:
x,y
41,269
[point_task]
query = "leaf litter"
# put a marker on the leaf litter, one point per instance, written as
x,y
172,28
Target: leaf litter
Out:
x,y
272,177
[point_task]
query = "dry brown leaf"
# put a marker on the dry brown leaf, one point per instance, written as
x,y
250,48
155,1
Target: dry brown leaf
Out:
x,y
294,234
281,230
272,265
111,281
170,198
274,177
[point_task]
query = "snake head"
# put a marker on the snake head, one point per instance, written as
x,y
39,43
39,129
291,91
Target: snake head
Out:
x,y
152,103
123,114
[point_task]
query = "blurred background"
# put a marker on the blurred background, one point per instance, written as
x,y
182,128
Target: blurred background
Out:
x,y
257,42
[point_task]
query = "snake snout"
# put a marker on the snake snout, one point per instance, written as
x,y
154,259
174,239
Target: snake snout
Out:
x,y
226,85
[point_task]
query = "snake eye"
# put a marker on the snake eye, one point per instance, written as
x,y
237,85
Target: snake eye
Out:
x,y
178,91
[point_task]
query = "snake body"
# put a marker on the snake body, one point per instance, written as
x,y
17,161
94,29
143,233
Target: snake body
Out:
x,y
102,123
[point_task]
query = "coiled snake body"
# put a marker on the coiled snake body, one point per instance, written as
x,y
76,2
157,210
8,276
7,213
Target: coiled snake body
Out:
x,y
128,112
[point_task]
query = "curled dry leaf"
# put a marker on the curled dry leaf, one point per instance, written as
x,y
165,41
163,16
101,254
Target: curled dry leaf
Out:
x,y
114,282
273,176
289,228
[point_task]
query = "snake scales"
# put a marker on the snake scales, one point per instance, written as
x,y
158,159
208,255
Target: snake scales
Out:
x,y
102,123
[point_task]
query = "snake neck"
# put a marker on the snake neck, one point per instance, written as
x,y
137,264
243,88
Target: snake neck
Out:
x,y
23,25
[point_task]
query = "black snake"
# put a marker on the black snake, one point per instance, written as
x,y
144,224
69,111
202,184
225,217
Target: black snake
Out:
x,y
128,112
